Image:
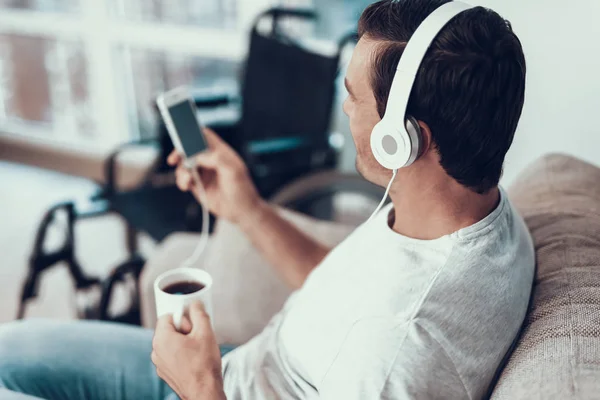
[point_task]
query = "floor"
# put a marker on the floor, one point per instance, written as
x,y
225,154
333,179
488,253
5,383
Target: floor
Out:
x,y
25,194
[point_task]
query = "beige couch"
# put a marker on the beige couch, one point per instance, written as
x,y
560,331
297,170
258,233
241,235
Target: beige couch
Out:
x,y
558,353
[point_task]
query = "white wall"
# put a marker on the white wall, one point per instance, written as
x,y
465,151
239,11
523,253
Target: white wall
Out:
x,y
561,44
561,41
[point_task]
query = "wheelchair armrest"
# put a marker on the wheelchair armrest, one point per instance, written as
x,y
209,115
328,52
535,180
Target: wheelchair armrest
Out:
x,y
212,100
216,97
110,164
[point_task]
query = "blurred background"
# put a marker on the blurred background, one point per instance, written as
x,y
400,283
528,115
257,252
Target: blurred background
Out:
x,y
78,80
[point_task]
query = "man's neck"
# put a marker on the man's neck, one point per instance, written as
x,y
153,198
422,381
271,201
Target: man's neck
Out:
x,y
431,211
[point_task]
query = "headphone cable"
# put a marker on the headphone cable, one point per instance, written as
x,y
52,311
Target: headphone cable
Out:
x,y
385,196
195,257
192,260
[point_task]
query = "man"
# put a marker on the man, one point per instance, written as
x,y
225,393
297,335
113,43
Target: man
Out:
x,y
423,301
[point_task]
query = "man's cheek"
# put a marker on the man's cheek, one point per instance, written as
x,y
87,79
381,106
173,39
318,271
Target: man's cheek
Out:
x,y
356,129
355,138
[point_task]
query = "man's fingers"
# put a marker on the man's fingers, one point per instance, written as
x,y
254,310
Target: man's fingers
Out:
x,y
208,159
174,158
165,324
199,317
186,325
183,178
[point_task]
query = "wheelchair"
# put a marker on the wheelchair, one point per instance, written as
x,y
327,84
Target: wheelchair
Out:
x,y
281,130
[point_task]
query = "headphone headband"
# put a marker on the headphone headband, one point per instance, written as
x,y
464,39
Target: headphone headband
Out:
x,y
412,57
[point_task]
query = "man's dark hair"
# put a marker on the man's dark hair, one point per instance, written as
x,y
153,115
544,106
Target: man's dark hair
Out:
x,y
469,89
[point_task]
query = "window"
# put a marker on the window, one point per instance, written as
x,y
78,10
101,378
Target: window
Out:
x,y
207,14
84,73
157,71
42,5
43,85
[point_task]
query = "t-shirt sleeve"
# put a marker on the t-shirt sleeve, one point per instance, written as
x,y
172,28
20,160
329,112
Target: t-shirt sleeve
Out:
x,y
379,360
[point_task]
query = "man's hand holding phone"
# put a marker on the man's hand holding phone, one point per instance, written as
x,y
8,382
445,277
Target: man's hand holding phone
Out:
x,y
230,193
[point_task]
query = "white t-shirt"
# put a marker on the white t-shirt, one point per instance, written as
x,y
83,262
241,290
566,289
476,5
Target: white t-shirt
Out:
x,y
391,317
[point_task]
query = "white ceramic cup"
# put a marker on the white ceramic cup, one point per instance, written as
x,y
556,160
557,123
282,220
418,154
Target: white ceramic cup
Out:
x,y
176,304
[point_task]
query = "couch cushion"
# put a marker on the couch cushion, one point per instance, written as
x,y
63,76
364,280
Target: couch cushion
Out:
x,y
558,354
247,291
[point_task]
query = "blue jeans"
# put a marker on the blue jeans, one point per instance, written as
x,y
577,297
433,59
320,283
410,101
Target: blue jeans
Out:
x,y
42,359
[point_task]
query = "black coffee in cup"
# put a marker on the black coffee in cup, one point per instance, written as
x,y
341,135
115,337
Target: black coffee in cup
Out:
x,y
183,287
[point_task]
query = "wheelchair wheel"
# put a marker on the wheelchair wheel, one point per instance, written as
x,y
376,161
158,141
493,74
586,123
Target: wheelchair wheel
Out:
x,y
331,195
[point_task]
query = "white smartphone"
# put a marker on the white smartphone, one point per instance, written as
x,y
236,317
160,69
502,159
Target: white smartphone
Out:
x,y
178,110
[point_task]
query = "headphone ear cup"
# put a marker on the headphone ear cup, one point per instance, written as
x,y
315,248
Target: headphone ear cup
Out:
x,y
414,135
388,145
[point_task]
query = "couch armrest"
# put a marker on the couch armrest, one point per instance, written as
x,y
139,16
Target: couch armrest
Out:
x,y
558,352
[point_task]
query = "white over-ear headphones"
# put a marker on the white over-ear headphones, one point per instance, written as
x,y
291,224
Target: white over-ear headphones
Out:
x,y
396,139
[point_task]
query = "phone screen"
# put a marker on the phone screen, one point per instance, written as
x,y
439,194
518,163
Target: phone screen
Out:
x,y
188,129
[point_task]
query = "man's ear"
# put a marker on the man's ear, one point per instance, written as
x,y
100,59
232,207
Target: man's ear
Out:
x,y
426,139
